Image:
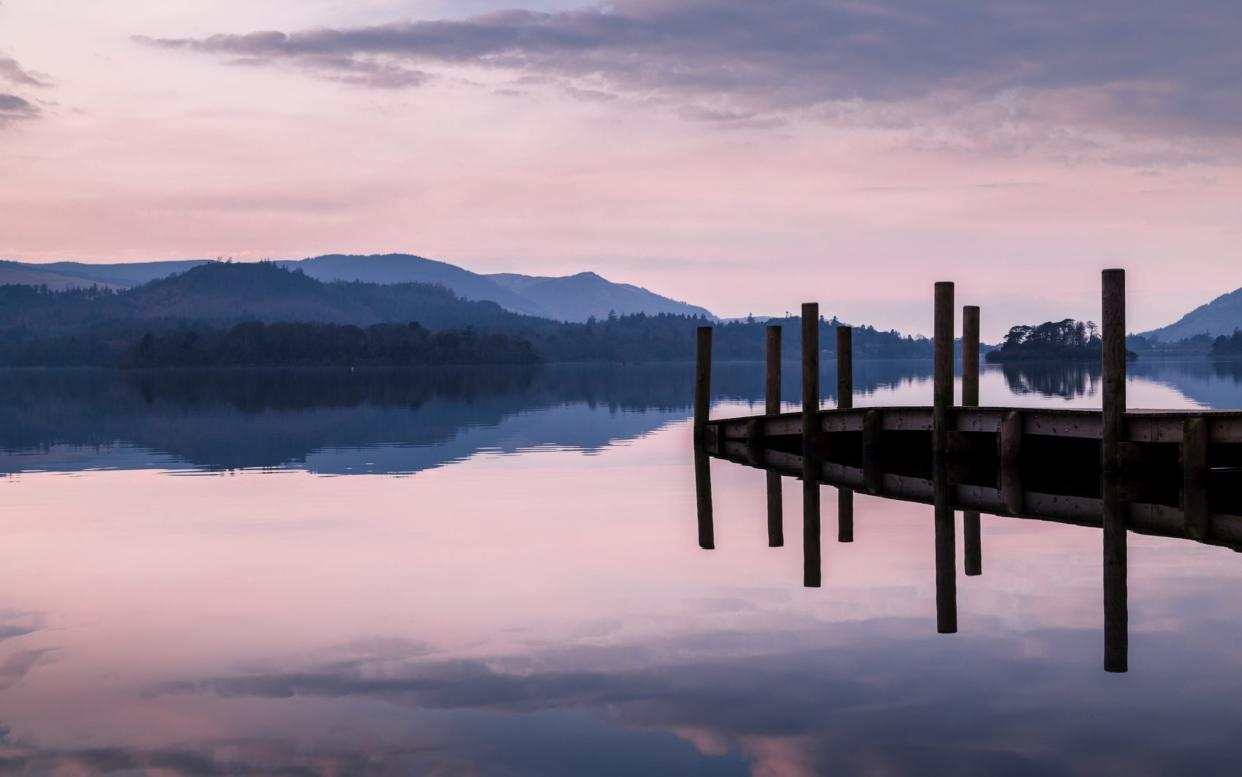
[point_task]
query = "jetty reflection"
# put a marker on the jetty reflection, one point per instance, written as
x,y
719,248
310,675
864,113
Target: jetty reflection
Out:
x,y
1118,506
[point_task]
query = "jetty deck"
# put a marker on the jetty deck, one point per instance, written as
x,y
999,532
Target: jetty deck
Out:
x,y
1169,473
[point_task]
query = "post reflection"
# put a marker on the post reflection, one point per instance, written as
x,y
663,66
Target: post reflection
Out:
x,y
972,544
1116,606
812,573
776,517
1108,508
703,497
845,515
946,560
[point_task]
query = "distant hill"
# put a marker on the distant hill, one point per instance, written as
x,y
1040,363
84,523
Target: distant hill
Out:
x,y
407,268
1219,317
223,293
571,298
579,297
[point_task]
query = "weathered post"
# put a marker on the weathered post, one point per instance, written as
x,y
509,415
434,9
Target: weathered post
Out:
x,y
845,401
776,517
811,573
702,382
942,372
703,498
810,377
772,384
970,356
845,367
972,538
1113,358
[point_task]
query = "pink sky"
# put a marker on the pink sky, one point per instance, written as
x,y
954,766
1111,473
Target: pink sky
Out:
x,y
707,151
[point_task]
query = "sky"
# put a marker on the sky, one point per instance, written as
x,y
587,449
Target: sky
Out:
x,y
746,156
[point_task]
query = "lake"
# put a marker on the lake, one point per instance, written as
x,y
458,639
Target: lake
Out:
x,y
497,572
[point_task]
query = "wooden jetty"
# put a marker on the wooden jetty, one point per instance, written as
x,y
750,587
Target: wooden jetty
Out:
x,y
1169,473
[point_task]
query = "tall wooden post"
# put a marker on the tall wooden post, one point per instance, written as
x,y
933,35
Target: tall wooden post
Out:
x,y
970,356
942,372
810,376
772,384
811,573
1113,358
776,517
702,382
845,367
972,538
845,401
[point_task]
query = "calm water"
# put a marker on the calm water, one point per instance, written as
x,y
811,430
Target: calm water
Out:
x,y
478,573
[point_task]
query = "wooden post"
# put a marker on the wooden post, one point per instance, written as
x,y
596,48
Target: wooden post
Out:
x,y
845,367
1113,359
811,571
702,382
970,356
845,401
776,510
972,535
1194,477
1116,605
942,373
946,562
773,383
1113,362
972,544
703,496
1009,445
810,376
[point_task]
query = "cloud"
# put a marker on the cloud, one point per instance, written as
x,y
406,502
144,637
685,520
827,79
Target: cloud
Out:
x,y
13,106
1139,66
14,73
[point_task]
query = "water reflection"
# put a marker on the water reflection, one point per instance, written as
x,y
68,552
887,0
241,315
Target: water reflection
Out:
x,y
550,613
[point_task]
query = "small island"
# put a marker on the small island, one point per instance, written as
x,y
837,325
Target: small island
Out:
x,y
1065,339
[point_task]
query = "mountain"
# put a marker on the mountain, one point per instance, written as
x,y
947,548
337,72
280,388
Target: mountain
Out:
x,y
224,292
1221,316
579,297
407,268
571,298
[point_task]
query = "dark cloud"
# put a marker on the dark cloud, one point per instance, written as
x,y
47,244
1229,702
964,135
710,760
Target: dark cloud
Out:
x,y
1132,64
14,107
14,73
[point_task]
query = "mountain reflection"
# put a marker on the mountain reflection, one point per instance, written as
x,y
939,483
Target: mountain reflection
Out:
x,y
345,421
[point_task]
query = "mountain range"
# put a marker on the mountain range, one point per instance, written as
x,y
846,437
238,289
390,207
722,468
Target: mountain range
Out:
x,y
1221,316
574,298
